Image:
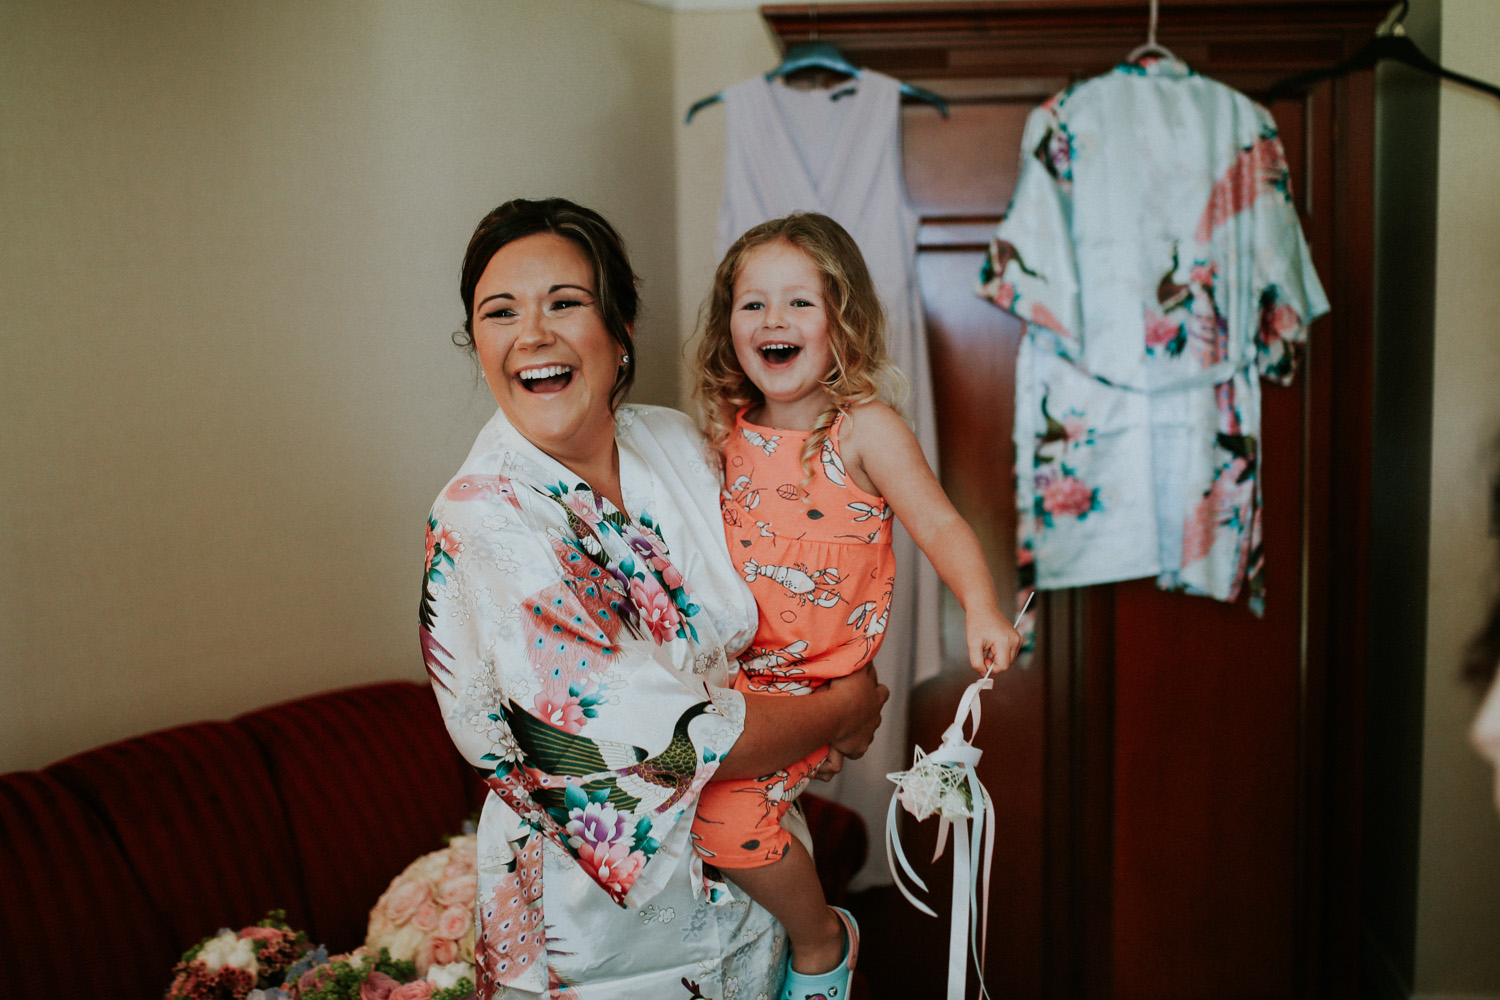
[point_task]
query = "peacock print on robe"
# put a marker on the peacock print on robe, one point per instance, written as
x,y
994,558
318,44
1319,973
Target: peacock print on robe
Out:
x,y
581,657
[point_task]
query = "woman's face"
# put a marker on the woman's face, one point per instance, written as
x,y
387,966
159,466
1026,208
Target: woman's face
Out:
x,y
546,353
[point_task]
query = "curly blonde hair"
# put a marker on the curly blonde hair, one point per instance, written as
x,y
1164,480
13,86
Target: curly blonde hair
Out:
x,y
862,370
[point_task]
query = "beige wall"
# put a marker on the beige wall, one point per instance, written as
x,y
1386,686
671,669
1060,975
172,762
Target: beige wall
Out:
x,y
231,240
1458,945
713,50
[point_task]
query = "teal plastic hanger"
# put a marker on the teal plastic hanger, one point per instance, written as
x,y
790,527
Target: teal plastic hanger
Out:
x,y
823,55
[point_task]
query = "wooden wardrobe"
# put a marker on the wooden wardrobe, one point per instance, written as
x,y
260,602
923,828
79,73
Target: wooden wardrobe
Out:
x,y
1177,780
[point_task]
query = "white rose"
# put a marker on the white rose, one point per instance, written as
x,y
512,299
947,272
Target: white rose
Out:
x,y
231,950
404,943
445,977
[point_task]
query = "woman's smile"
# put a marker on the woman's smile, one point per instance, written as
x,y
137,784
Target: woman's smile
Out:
x,y
545,378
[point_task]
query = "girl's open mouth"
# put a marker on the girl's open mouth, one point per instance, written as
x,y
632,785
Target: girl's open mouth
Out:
x,y
552,378
779,354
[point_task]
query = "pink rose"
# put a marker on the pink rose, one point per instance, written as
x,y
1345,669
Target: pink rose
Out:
x,y
555,706
1005,295
423,957
313,978
613,866
1160,331
419,990
655,609
454,923
426,917
669,574
456,890
447,539
260,933
461,863
402,898
1076,429
1067,496
377,986
444,950
1277,322
586,511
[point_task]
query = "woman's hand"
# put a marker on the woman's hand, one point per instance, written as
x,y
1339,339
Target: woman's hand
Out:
x,y
993,642
832,765
859,699
779,731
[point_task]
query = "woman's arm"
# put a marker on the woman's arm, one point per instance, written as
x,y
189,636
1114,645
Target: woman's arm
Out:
x,y
779,731
880,445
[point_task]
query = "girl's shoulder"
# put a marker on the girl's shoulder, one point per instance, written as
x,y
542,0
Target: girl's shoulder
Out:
x,y
868,424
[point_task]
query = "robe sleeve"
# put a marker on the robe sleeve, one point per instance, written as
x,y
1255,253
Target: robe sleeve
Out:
x,y
1290,296
1250,210
1031,269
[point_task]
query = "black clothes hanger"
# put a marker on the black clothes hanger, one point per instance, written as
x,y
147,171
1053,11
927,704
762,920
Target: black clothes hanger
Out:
x,y
822,55
1390,43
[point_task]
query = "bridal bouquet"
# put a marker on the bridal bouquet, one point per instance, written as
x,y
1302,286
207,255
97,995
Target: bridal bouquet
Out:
x,y
426,916
229,965
366,974
419,946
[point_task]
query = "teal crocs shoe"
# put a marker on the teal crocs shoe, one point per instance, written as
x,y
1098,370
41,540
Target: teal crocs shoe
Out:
x,y
832,985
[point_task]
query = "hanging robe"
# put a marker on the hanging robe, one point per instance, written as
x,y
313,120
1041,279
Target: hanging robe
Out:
x,y
1153,248
801,150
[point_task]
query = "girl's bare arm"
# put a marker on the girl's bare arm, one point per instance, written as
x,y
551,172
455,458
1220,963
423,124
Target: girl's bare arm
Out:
x,y
886,460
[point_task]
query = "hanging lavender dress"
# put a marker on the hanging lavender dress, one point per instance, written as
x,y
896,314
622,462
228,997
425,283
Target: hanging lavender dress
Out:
x,y
807,150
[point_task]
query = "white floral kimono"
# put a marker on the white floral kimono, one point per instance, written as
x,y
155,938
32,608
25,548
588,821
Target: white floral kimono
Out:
x,y
1153,249
579,658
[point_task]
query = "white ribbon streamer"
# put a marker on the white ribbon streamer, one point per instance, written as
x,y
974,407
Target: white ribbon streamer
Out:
x,y
946,783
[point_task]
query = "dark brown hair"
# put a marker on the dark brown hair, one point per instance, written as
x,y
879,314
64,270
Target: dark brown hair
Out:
x,y
616,286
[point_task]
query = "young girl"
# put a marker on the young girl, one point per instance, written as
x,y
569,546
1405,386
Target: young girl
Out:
x,y
791,372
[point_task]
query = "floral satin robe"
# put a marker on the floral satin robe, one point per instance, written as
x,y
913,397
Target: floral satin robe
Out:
x,y
1154,251
581,659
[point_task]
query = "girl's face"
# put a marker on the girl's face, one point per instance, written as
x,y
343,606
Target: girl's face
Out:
x,y
545,350
779,327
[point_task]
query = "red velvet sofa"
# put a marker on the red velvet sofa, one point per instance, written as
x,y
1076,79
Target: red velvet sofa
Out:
x,y
115,861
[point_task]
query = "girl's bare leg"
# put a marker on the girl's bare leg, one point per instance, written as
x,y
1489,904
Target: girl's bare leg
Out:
x,y
789,888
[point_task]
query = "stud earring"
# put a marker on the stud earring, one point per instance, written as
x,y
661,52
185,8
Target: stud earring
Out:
x,y
624,360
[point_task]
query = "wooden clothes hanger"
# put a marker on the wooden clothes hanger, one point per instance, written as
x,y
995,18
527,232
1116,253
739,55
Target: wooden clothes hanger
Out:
x,y
814,54
1390,43
1151,47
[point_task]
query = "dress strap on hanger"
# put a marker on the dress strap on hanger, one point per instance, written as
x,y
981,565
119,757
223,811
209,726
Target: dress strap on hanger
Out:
x,y
815,54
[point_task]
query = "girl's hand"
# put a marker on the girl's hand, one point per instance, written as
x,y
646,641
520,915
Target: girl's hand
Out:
x,y
993,642
860,697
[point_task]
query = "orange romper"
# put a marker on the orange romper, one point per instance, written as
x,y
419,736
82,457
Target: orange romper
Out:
x,y
818,559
